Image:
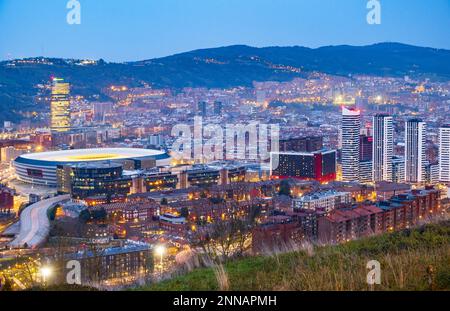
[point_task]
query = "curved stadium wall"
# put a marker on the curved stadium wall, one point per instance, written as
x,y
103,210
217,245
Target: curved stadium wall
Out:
x,y
40,168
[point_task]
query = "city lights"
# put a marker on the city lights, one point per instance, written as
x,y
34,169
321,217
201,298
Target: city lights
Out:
x,y
160,250
135,157
46,273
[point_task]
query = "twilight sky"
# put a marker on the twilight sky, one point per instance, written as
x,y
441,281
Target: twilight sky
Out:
x,y
125,30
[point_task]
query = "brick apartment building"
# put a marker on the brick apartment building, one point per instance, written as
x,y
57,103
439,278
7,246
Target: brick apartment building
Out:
x,y
349,224
6,200
132,211
275,232
400,212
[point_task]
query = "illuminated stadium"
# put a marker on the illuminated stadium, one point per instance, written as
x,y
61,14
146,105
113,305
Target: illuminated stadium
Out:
x,y
40,168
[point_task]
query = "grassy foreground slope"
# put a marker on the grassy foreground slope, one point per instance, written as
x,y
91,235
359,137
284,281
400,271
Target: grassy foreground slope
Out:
x,y
416,259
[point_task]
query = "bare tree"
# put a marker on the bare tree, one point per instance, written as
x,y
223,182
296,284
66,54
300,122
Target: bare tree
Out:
x,y
227,238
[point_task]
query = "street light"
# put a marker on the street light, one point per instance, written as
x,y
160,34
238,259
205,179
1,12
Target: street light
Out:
x,y
46,272
160,250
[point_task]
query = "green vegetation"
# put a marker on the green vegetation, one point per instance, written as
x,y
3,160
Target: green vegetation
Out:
x,y
184,212
416,259
51,212
234,66
285,188
94,215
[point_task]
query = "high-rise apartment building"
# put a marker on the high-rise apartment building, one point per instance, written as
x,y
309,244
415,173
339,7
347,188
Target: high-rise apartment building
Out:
x,y
351,123
365,148
202,108
383,147
398,169
415,156
444,154
60,106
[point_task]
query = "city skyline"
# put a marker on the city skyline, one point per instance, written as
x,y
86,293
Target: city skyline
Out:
x,y
233,169
149,30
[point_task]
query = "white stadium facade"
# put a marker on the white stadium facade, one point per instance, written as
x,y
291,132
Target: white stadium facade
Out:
x,y
40,168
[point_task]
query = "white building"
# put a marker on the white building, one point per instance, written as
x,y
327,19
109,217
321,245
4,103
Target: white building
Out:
x,y
398,169
9,154
326,201
415,157
351,124
365,171
383,147
432,173
444,154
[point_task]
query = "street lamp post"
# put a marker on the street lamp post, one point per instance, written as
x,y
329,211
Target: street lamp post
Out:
x,y
160,251
46,272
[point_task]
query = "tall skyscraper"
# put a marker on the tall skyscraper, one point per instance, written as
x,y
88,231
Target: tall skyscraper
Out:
x,y
60,104
398,169
444,154
202,108
351,123
415,157
383,147
218,108
365,148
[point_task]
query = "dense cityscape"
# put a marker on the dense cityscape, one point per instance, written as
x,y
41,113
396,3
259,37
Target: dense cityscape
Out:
x,y
357,156
203,147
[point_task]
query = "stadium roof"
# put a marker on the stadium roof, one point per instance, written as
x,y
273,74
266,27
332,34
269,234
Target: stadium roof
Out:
x,y
89,155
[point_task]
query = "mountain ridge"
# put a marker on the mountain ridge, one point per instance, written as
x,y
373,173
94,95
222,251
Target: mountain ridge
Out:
x,y
221,67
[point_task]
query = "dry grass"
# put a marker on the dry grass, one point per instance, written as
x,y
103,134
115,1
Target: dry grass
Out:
x,y
410,260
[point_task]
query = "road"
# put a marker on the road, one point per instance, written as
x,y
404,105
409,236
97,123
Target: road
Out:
x,y
34,223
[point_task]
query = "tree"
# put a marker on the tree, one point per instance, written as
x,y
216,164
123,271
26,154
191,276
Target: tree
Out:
x,y
184,212
224,239
85,216
99,214
7,286
285,188
51,213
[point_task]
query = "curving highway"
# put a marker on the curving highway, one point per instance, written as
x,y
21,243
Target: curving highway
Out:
x,y
34,223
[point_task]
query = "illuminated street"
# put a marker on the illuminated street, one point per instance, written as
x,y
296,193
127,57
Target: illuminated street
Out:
x,y
34,223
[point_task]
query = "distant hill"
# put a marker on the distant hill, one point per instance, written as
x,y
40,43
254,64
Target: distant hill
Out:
x,y
230,66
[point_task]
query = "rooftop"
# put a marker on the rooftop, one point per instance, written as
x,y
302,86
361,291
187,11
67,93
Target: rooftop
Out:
x,y
91,155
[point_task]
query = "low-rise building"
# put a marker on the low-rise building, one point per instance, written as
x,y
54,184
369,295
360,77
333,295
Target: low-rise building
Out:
x,y
6,199
114,265
400,212
322,201
275,234
348,224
